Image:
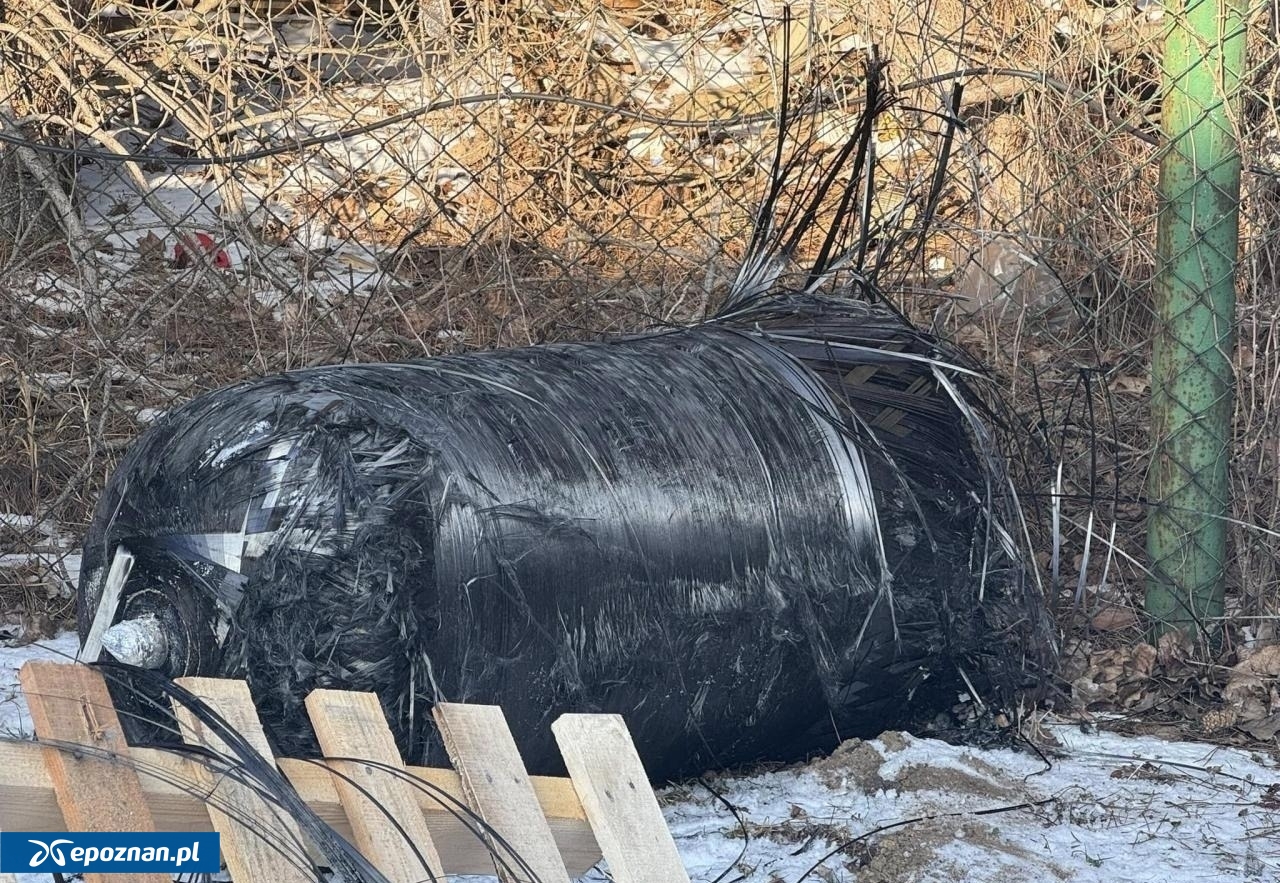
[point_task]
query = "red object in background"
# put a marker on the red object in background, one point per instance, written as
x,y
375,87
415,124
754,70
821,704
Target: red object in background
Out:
x,y
221,259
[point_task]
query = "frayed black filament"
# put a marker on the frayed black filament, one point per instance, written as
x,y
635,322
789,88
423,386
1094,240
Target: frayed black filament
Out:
x,y
243,763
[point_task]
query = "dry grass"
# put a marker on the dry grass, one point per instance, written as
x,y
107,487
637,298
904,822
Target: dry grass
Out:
x,y
504,222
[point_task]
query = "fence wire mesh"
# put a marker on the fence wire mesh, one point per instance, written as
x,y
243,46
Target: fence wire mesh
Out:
x,y
195,192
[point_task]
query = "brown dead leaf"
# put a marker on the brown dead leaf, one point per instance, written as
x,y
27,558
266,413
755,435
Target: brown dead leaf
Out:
x,y
1129,511
151,246
1120,676
1252,693
1263,663
1130,384
1250,696
1173,649
1113,618
1263,730
1144,659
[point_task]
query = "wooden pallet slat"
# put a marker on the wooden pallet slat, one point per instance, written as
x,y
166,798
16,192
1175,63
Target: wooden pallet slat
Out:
x,y
274,850
499,791
27,803
546,827
386,820
615,793
70,703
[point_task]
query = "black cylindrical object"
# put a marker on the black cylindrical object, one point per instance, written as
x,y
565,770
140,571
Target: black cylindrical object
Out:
x,y
744,537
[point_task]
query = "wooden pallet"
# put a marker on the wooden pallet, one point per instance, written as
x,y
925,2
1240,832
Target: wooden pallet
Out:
x,y
559,827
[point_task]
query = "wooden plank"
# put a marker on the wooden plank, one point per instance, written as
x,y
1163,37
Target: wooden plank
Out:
x,y
498,789
70,703
105,613
376,800
27,803
615,793
273,849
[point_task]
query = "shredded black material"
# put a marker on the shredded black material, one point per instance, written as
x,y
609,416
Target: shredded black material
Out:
x,y
785,523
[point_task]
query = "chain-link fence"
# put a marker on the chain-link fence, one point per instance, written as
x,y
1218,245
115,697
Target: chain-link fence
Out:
x,y
193,193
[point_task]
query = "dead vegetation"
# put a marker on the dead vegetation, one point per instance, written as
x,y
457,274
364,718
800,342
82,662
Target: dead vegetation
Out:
x,y
303,184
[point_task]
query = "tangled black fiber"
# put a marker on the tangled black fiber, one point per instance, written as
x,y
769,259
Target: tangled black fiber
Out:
x,y
785,524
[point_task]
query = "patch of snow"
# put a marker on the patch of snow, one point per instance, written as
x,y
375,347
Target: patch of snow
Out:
x,y
21,522
14,719
1115,808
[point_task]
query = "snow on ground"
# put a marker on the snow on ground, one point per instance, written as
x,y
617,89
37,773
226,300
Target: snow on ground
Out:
x,y
1105,809
1113,808
13,709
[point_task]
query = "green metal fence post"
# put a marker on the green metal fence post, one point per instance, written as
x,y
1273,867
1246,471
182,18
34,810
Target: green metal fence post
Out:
x,y
1191,372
